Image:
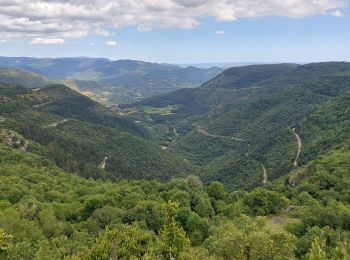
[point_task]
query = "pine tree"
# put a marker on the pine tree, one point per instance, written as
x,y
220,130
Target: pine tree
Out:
x,y
317,250
173,239
5,240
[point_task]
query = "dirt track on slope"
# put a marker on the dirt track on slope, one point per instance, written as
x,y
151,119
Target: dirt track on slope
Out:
x,y
102,165
264,174
299,145
56,123
204,132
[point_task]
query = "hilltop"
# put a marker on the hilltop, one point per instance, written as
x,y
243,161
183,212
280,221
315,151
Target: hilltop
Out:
x,y
24,78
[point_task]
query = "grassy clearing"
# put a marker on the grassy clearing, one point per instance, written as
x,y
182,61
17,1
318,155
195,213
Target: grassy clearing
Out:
x,y
158,110
276,223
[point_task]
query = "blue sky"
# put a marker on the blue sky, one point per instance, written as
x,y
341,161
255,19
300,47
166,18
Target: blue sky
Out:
x,y
310,37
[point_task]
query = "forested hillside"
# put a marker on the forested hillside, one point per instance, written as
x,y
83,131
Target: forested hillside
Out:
x,y
239,126
82,136
24,78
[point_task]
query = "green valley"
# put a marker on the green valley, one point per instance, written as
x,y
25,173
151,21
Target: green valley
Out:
x,y
77,133
232,126
253,164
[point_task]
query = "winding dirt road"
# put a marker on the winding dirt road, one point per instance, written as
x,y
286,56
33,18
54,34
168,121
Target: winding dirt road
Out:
x,y
175,132
264,181
102,165
202,131
299,144
56,123
43,104
264,174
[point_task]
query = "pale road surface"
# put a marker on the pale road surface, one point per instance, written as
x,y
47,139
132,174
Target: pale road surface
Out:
x,y
43,104
25,146
202,131
103,163
264,174
299,144
175,132
56,123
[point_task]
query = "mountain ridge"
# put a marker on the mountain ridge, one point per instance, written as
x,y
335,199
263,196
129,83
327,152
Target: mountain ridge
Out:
x,y
261,109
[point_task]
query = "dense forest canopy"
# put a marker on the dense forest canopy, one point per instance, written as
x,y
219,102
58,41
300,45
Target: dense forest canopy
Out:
x,y
244,118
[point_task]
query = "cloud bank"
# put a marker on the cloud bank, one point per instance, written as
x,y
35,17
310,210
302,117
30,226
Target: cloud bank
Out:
x,y
220,32
46,21
47,41
111,43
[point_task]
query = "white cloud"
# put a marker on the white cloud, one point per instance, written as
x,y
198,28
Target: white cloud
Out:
x,y
47,41
111,43
3,40
102,32
337,13
92,44
78,18
220,32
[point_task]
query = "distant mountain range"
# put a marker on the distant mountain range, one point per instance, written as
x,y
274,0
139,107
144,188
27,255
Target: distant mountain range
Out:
x,y
118,81
223,65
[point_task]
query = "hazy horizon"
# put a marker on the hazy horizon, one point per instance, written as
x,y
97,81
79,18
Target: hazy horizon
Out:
x,y
222,64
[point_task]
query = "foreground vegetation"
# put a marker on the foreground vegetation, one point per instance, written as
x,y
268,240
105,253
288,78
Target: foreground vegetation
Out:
x,y
50,214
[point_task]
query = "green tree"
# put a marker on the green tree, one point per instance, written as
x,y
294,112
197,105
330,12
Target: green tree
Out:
x,y
172,239
317,250
263,202
247,238
121,242
55,248
201,204
216,190
194,181
107,215
182,197
341,251
49,223
182,215
5,240
197,228
148,214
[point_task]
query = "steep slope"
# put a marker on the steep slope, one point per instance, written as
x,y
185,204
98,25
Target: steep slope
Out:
x,y
77,133
243,119
240,77
62,101
24,78
229,86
